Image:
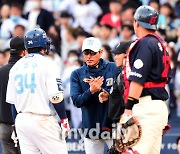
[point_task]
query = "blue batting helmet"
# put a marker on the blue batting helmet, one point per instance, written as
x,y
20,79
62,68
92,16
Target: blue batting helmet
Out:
x,y
37,38
147,17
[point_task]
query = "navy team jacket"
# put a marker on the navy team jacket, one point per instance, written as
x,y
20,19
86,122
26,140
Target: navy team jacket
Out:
x,y
93,112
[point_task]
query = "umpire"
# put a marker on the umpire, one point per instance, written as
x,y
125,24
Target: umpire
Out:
x,y
17,51
116,96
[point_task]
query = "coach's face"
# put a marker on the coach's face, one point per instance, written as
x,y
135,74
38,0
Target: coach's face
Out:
x,y
92,58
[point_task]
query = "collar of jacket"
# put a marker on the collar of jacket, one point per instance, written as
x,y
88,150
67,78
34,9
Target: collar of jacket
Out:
x,y
102,64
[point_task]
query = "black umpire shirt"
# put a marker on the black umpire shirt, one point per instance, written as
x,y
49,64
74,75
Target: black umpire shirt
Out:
x,y
116,99
5,108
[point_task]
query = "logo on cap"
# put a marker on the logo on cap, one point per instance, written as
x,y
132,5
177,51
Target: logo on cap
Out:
x,y
90,42
30,42
153,20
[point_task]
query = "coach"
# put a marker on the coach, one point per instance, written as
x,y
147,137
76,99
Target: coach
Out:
x,y
87,82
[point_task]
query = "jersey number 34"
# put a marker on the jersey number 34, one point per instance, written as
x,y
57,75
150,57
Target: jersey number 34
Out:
x,y
26,81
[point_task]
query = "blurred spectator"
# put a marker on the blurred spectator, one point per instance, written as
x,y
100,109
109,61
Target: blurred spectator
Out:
x,y
15,18
131,4
104,5
105,36
171,22
39,17
177,8
4,12
71,64
126,33
19,30
127,15
12,1
178,144
54,34
57,31
64,22
53,55
51,5
154,4
173,62
70,41
177,45
80,38
114,17
85,13
177,85
95,30
163,1
4,15
107,55
67,5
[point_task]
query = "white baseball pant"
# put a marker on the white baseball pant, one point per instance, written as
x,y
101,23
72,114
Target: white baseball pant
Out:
x,y
96,146
39,134
153,117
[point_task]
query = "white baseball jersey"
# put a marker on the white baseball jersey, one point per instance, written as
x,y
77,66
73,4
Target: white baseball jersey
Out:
x,y
32,81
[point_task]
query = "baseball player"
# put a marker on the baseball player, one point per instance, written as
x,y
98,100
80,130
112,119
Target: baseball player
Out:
x,y
87,82
17,51
147,70
35,89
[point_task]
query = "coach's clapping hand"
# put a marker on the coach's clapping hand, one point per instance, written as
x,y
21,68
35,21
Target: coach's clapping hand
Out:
x,y
103,96
95,84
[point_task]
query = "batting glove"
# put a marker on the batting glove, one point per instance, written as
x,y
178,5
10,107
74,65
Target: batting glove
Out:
x,y
65,127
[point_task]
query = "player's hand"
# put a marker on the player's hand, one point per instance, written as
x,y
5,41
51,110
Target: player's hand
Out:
x,y
65,127
167,128
103,96
14,137
126,116
95,84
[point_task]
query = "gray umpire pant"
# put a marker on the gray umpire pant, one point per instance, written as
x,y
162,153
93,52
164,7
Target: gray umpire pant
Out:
x,y
6,141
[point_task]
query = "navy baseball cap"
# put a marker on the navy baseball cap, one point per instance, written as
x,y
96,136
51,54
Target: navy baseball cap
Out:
x,y
17,44
121,47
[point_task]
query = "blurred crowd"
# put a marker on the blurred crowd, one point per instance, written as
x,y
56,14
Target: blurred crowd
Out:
x,y
69,22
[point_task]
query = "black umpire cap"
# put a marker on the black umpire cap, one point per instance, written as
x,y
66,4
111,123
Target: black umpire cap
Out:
x,y
121,47
17,44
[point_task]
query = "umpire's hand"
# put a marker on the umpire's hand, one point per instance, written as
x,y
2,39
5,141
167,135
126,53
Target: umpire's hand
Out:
x,y
95,84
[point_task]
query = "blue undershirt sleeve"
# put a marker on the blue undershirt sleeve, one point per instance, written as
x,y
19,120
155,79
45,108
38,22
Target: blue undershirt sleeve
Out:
x,y
60,109
14,112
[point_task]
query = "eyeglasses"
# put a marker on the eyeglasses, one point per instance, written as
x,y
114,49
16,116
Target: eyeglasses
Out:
x,y
87,52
